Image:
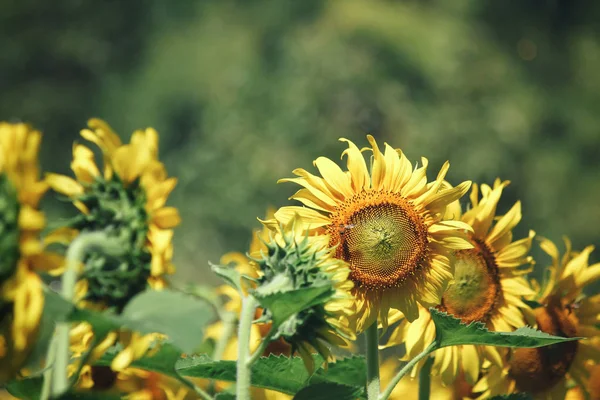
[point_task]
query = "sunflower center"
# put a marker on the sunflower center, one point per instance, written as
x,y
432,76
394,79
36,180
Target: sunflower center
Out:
x,y
9,228
119,211
538,370
381,236
476,290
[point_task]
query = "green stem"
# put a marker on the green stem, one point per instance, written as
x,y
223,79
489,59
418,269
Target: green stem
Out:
x,y
75,254
228,319
229,323
425,380
406,369
372,343
249,305
49,366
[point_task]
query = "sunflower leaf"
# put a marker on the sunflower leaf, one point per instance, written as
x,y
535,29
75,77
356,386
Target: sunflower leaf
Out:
x,y
179,316
31,389
350,371
282,305
513,396
229,274
327,391
450,331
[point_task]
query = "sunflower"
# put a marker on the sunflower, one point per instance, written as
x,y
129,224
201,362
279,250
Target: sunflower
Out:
x,y
386,224
549,372
21,251
127,201
488,285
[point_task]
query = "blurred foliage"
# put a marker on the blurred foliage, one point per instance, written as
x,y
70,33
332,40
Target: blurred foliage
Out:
x,y
243,92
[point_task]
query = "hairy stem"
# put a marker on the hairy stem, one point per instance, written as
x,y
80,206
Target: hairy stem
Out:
x,y
249,305
75,255
406,369
372,344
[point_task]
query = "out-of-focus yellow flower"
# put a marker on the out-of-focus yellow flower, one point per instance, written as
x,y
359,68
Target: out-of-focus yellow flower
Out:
x,y
552,371
387,224
21,250
488,286
408,388
147,385
125,198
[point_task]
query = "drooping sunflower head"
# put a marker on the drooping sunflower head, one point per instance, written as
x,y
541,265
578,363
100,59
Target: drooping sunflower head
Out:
x,y
21,250
549,372
126,200
293,260
387,224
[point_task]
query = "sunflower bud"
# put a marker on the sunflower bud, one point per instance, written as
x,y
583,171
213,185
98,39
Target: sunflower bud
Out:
x,y
293,261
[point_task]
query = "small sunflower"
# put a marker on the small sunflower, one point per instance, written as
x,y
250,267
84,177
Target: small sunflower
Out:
x,y
488,285
21,250
127,201
549,372
293,260
386,224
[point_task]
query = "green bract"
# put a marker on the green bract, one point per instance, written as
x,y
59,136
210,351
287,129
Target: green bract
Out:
x,y
118,211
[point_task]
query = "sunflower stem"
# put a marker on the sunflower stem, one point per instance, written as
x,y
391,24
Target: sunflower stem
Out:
x,y
74,258
249,305
406,369
372,344
425,380
50,356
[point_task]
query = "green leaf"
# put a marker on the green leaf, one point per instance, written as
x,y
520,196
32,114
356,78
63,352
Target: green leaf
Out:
x,y
327,391
279,373
284,304
179,316
229,274
513,396
225,396
450,331
162,361
351,371
283,374
31,389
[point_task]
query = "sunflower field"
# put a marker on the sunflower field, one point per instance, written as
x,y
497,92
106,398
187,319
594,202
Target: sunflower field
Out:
x,y
268,210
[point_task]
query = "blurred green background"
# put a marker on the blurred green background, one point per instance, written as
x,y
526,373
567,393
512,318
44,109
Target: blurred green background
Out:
x,y
243,92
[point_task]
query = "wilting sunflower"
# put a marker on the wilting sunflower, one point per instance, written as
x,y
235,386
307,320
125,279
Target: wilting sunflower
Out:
x,y
488,285
387,224
127,202
549,372
21,251
293,260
